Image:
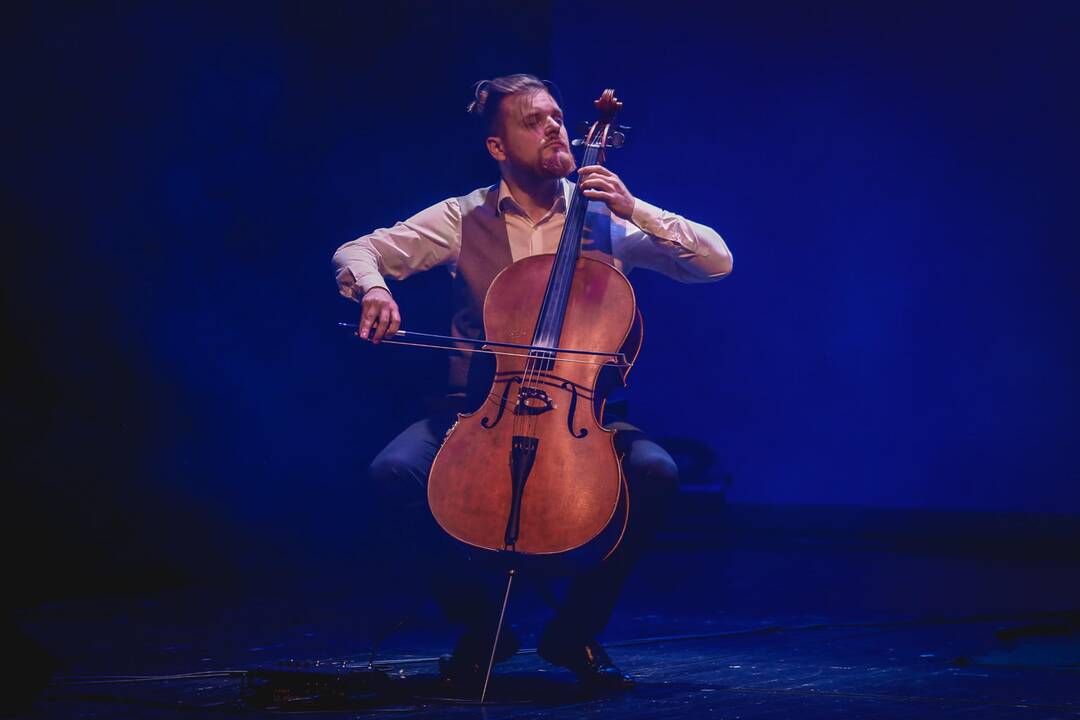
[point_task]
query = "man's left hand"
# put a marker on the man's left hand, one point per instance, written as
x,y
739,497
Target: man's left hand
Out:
x,y
599,183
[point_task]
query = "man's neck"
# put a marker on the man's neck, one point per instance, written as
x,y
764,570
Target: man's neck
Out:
x,y
535,196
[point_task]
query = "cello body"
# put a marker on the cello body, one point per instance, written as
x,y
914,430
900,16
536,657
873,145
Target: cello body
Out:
x,y
533,470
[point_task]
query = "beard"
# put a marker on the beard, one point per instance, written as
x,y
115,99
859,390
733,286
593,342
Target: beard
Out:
x,y
556,161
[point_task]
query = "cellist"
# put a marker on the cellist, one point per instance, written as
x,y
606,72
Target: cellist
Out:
x,y
475,236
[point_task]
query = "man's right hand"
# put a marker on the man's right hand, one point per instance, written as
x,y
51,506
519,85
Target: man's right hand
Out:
x,y
379,315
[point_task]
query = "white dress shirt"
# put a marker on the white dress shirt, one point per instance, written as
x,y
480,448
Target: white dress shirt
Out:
x,y
652,238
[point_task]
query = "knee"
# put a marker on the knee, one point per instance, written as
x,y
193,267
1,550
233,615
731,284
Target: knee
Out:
x,y
395,473
657,474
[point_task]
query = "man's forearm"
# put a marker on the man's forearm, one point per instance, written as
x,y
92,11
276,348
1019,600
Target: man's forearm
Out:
x,y
675,246
356,266
431,237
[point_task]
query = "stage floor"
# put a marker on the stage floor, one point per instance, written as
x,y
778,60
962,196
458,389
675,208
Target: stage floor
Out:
x,y
782,614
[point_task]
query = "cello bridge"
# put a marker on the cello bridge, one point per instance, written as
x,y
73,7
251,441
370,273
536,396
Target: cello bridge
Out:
x,y
533,401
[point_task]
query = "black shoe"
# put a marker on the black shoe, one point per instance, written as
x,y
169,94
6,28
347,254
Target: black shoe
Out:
x,y
463,671
589,662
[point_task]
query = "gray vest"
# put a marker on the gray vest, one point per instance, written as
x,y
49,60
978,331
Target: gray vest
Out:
x,y
485,251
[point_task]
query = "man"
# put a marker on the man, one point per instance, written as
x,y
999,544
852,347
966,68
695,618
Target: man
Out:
x,y
475,236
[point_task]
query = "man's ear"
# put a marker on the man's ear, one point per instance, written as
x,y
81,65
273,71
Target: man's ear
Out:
x,y
495,148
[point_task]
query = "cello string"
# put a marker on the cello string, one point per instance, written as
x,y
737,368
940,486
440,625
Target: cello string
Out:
x,y
558,291
560,283
564,268
523,424
566,260
534,369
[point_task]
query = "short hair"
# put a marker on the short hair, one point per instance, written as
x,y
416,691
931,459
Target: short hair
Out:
x,y
488,95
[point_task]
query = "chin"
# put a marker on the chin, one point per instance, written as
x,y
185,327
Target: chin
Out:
x,y
558,165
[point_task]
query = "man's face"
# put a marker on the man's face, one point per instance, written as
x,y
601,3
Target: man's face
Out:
x,y
533,137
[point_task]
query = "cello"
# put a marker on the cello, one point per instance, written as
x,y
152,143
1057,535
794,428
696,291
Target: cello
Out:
x,y
533,470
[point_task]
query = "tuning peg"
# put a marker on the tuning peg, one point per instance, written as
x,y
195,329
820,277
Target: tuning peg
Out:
x,y
616,140
625,127
577,142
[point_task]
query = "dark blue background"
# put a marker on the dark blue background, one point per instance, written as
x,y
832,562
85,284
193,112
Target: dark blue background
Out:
x,y
896,181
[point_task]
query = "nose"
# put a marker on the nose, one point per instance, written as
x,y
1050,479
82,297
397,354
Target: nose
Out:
x,y
552,126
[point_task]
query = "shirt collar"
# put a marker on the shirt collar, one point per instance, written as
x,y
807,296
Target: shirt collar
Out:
x,y
561,203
